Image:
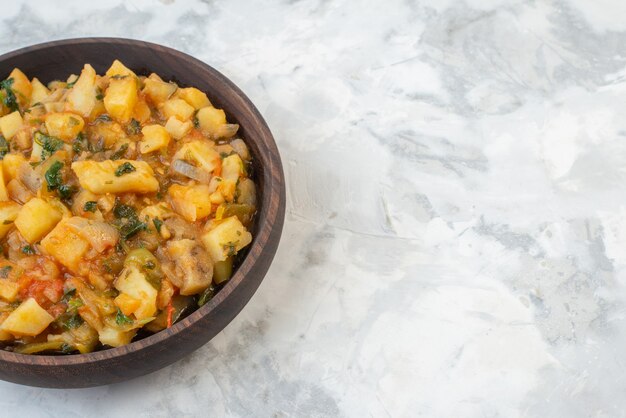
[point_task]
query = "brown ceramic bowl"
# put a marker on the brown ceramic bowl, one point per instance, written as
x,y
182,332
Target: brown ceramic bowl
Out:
x,y
56,60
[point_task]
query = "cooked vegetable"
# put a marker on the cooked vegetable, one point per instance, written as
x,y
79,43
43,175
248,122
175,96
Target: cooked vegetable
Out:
x,y
118,210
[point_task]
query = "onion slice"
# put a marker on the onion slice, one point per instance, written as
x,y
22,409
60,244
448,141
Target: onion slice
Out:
x,y
188,170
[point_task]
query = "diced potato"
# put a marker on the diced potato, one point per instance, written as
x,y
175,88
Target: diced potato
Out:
x,y
154,137
36,218
101,178
8,214
177,107
40,92
194,97
191,202
8,290
201,154
10,124
10,163
65,245
65,126
210,120
119,69
232,168
110,132
176,128
114,337
82,97
121,97
158,90
141,112
29,319
128,305
134,284
226,238
21,86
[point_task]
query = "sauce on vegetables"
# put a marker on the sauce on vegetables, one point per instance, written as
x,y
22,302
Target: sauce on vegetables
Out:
x,y
124,201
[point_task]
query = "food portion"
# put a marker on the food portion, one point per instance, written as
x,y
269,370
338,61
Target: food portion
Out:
x,y
124,202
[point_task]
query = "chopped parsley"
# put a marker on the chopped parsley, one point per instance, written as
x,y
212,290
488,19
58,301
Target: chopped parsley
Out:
x,y
230,247
72,321
124,169
78,144
54,176
49,144
90,206
68,295
157,224
121,319
28,249
103,118
134,127
4,147
99,96
9,99
70,85
120,152
128,223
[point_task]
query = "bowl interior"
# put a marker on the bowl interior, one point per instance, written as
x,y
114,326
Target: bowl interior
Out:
x,y
56,60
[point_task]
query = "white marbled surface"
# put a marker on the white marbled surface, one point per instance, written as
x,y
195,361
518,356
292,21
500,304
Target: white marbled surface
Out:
x,y
455,240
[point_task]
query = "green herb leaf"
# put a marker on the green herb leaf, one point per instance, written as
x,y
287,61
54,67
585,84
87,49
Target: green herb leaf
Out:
x,y
54,176
4,147
124,169
103,118
206,295
90,206
72,321
9,98
28,249
134,127
129,224
74,303
157,224
121,319
68,295
49,144
120,152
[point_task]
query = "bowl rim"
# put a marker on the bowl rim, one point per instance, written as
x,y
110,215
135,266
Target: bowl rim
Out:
x,y
273,198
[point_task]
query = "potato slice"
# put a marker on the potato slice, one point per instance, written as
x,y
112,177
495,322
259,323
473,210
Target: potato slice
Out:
x,y
65,125
10,124
29,319
121,97
226,238
36,218
82,97
102,177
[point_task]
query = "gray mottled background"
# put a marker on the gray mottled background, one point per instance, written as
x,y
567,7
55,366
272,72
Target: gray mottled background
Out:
x,y
456,222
